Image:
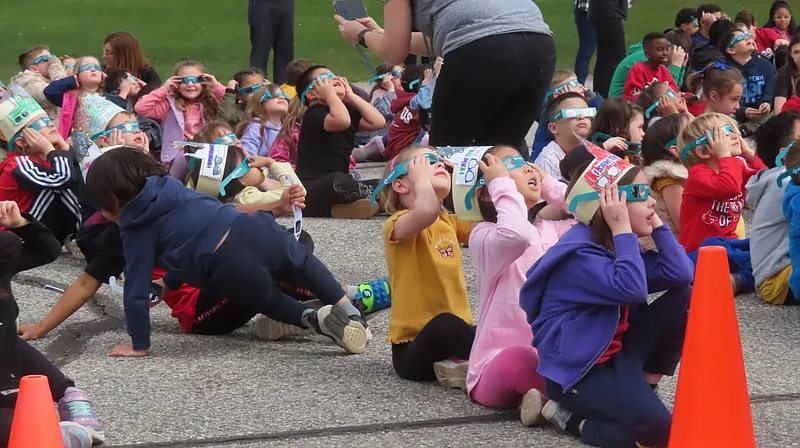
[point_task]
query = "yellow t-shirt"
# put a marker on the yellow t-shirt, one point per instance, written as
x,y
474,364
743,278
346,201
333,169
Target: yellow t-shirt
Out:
x,y
289,90
426,275
775,289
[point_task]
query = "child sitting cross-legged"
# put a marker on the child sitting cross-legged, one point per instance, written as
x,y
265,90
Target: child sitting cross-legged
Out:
x,y
602,347
204,243
569,118
502,364
713,195
657,49
770,231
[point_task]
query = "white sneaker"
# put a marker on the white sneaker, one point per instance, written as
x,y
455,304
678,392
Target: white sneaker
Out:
x,y
75,435
531,407
556,414
451,373
268,329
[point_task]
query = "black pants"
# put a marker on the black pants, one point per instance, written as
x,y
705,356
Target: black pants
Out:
x,y
610,52
258,250
445,336
271,28
781,58
490,91
619,406
332,189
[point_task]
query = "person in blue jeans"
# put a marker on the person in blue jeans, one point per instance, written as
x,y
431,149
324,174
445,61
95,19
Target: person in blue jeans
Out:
x,y
587,40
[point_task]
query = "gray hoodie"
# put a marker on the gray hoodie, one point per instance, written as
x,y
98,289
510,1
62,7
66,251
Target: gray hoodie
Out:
x,y
769,236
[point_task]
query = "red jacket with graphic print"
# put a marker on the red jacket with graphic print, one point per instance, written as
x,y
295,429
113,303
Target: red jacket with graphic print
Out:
x,y
640,77
712,201
38,185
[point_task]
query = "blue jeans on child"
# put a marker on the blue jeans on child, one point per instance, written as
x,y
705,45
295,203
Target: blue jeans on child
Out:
x,y
738,259
619,406
587,43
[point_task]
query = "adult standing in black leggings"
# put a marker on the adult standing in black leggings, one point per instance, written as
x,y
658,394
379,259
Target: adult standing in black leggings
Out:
x,y
606,17
271,28
499,59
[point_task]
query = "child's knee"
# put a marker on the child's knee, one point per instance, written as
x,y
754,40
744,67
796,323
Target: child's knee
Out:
x,y
652,428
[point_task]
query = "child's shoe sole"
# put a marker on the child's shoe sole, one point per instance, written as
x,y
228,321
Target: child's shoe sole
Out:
x,y
335,323
360,209
451,374
75,435
530,412
268,329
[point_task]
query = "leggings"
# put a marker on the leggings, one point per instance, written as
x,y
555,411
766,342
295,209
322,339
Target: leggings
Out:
x,y
443,337
610,52
523,62
332,189
507,377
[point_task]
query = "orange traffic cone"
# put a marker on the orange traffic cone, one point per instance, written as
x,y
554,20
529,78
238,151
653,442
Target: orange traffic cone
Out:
x,y
712,405
35,422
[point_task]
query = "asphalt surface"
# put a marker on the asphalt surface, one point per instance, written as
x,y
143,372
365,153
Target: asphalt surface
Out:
x,y
236,391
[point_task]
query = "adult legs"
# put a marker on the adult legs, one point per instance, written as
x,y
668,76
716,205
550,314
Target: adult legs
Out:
x,y
587,43
284,42
261,16
610,35
445,336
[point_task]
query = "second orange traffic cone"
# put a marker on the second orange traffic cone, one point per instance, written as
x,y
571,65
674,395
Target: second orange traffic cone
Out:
x,y
35,422
712,404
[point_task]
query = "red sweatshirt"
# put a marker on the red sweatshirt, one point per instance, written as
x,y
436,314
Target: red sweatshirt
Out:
x,y
405,125
765,41
182,301
640,77
712,202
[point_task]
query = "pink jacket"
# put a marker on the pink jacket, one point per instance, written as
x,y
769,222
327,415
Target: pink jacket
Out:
x,y
68,108
502,253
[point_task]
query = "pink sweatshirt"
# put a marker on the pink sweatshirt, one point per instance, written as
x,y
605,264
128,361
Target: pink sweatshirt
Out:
x,y
502,253
155,105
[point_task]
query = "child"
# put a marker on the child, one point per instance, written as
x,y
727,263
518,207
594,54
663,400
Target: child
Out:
x,y
39,172
240,89
767,40
70,93
183,104
791,210
262,119
122,88
293,72
108,125
564,81
781,20
619,125
713,195
708,15
708,51
769,253
326,140
657,50
27,244
759,79
502,366
431,321
659,100
569,118
662,167
602,348
686,20
38,68
386,83
680,47
722,88
210,245
787,84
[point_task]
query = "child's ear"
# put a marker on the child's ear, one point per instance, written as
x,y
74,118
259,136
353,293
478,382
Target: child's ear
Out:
x,y
703,152
102,141
552,128
400,186
713,95
674,150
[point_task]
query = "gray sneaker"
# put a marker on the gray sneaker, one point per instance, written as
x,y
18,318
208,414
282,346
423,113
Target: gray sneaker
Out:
x,y
333,322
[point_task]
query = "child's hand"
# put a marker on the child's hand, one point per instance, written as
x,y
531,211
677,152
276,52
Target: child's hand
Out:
x,y
764,108
210,80
493,168
349,95
437,66
387,84
678,56
172,83
232,84
127,351
260,162
428,76
668,106
37,143
719,143
748,153
656,221
708,19
614,208
419,170
751,113
10,217
293,196
615,144
781,43
125,89
325,89
30,332
115,138
145,142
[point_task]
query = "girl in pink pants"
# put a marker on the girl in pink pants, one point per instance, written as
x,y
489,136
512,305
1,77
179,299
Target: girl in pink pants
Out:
x,y
502,364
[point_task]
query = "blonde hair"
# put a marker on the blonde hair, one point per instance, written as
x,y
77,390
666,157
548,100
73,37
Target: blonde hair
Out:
x,y
560,76
389,197
79,61
698,128
255,110
30,55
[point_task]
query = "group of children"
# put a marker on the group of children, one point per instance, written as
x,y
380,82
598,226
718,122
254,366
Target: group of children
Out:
x,y
162,187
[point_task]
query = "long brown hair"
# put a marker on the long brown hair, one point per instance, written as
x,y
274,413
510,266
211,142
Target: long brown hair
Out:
x,y
255,111
206,98
127,52
297,110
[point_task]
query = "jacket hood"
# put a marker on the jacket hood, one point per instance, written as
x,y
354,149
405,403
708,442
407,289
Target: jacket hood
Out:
x,y
762,182
160,195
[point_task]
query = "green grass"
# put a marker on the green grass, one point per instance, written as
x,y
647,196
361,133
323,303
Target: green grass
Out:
x,y
216,32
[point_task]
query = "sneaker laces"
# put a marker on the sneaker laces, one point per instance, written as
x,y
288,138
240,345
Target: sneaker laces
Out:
x,y
80,409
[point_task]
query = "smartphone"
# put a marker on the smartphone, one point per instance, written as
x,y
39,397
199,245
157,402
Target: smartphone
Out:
x,y
350,9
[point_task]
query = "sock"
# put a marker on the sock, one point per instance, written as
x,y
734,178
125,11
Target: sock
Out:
x,y
349,308
572,425
351,291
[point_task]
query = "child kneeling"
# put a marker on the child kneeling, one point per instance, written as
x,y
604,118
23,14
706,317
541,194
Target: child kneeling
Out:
x,y
206,244
602,347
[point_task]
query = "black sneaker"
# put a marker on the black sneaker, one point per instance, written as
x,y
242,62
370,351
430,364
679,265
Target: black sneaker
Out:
x,y
334,322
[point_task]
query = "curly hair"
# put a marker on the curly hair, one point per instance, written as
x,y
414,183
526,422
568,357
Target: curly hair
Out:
x,y
206,98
